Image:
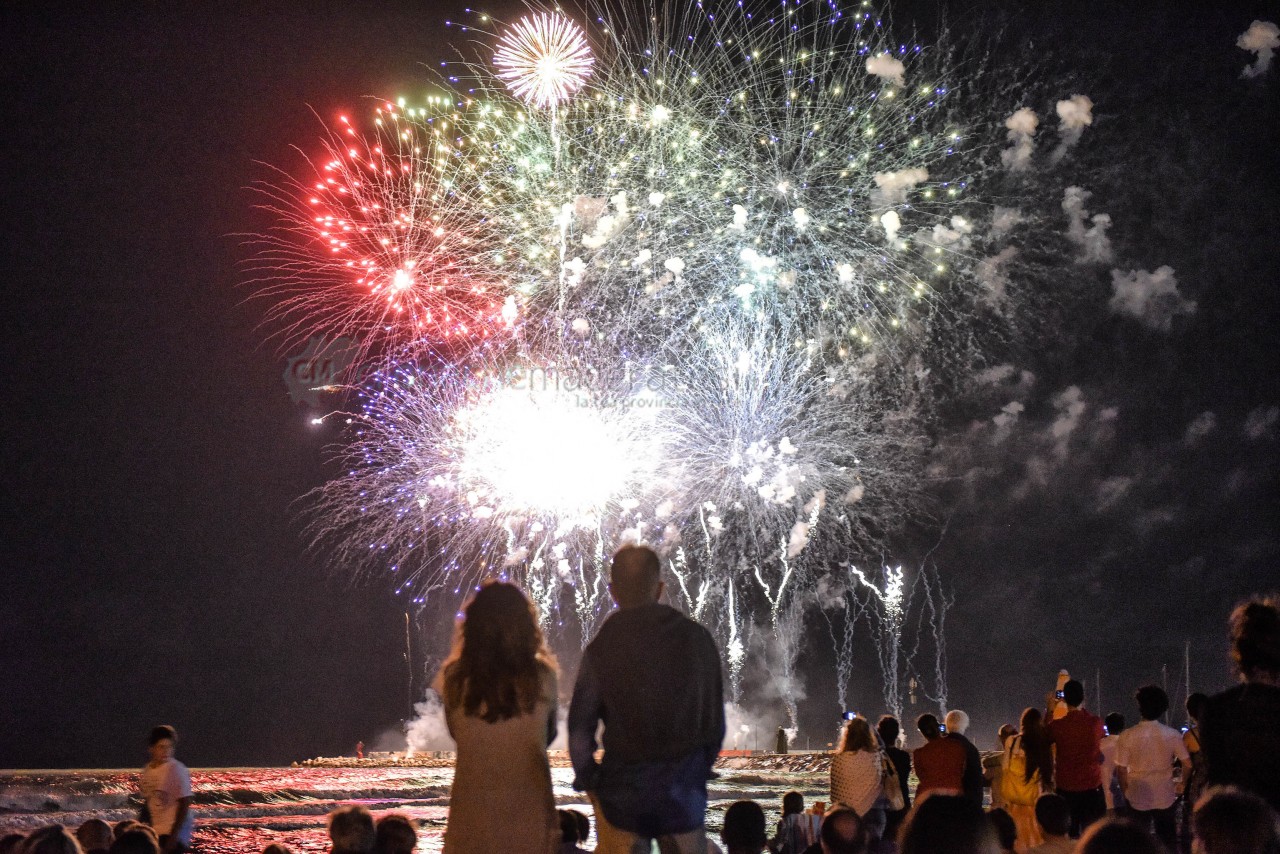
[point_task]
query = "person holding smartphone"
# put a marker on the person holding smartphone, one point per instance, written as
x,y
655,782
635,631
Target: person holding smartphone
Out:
x,y
1077,737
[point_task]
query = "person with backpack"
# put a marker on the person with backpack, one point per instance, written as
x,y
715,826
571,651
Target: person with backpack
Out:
x,y
1026,773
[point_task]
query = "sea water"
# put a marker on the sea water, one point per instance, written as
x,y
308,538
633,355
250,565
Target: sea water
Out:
x,y
243,810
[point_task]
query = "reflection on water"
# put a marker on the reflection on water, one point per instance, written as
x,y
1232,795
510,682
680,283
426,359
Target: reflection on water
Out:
x,y
245,809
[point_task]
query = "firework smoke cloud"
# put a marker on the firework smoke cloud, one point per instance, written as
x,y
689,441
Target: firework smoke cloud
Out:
x,y
1262,38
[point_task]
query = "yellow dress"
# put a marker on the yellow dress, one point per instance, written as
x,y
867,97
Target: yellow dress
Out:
x,y
501,797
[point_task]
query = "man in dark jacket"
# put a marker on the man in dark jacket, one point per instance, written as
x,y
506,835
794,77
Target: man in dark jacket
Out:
x,y
652,676
957,723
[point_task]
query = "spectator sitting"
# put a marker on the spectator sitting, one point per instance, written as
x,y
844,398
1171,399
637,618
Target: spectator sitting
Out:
x,y
351,830
957,723
1006,830
137,840
395,834
53,839
743,831
797,829
1053,817
1144,760
570,832
1240,729
842,833
940,762
947,824
1229,820
1110,782
889,729
1117,836
993,765
94,836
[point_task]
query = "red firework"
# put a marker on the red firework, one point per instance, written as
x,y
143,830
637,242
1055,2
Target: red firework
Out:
x,y
376,247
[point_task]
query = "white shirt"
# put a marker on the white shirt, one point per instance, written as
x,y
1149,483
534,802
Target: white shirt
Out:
x,y
162,786
1148,751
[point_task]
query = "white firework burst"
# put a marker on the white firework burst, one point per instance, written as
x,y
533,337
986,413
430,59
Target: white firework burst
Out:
x,y
544,59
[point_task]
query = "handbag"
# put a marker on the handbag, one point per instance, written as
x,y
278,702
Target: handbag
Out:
x,y
892,785
1014,785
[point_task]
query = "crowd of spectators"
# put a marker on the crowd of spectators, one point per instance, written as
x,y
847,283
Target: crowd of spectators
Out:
x,y
1065,781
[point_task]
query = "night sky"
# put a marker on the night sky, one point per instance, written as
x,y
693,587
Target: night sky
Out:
x,y
153,566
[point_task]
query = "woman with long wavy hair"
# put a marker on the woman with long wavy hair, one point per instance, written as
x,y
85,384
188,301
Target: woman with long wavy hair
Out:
x,y
1027,773
499,691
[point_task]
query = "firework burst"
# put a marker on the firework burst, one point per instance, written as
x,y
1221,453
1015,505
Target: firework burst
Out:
x,y
374,249
544,59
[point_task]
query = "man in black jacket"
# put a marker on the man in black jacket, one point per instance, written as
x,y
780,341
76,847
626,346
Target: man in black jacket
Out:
x,y
652,676
957,723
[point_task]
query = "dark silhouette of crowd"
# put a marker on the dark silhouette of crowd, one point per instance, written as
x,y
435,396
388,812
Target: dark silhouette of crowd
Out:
x,y
1063,782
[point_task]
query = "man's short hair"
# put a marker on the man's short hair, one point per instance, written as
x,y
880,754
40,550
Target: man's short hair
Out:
x,y
744,826
1255,636
135,841
1115,723
928,725
843,833
1118,834
1152,702
1006,830
1073,692
160,733
1053,813
636,574
395,834
889,728
792,802
351,830
957,721
53,839
94,835
1228,820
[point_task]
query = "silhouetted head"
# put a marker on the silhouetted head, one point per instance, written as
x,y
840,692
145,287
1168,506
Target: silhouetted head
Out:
x,y
1195,706
1006,829
928,726
743,831
54,839
1228,820
1073,693
792,803
351,830
1117,836
947,824
94,835
395,834
1053,814
1152,702
1255,639
1115,723
136,840
636,578
843,833
889,729
857,736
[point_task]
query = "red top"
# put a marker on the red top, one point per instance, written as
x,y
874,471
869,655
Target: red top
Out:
x,y
940,765
1078,736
